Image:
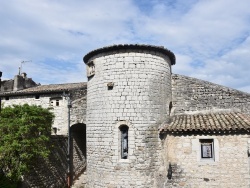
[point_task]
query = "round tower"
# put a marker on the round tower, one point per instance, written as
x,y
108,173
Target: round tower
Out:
x,y
128,98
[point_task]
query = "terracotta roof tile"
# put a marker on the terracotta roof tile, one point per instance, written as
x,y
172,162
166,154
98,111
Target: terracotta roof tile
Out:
x,y
212,122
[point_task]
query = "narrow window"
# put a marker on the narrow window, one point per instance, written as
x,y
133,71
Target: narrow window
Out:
x,y
57,102
90,69
207,149
124,141
170,107
37,96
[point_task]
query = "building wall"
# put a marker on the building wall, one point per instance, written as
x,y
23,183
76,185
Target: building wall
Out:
x,y
60,121
7,85
52,172
192,95
78,110
79,106
229,169
139,99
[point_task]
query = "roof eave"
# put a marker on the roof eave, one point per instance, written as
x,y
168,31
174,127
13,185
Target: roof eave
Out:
x,y
160,49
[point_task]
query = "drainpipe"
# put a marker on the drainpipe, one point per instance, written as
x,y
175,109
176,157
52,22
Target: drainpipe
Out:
x,y
67,96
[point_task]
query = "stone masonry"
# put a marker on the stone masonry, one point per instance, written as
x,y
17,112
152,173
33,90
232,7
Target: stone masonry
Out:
x,y
194,95
52,172
128,85
18,83
230,168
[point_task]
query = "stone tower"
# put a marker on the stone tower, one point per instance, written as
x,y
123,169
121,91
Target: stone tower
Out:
x,y
129,94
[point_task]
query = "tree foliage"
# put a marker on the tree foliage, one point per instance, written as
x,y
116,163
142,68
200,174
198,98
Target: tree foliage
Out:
x,y
24,134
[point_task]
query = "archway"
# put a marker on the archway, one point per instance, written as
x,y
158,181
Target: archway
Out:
x,y
78,149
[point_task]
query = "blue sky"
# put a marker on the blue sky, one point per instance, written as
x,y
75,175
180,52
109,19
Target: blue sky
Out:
x,y
210,38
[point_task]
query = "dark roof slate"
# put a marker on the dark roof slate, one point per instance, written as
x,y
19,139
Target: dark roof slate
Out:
x,y
211,122
52,88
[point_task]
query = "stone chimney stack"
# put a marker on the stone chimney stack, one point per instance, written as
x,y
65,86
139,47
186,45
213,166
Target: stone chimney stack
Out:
x,y
18,82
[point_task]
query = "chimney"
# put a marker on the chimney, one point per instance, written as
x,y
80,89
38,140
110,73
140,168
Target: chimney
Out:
x,y
18,83
24,75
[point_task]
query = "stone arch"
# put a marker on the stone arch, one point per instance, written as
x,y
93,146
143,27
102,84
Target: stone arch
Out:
x,y
78,149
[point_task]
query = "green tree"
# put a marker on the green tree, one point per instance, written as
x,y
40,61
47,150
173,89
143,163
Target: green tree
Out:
x,y
24,134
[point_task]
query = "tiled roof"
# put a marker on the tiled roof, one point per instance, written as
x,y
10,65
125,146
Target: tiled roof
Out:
x,y
212,122
52,88
160,49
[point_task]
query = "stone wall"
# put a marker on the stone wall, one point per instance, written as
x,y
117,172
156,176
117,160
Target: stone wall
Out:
x,y
7,85
192,95
79,106
132,88
53,171
18,83
228,169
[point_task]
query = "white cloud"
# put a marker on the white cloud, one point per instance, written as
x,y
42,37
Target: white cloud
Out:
x,y
210,38
209,34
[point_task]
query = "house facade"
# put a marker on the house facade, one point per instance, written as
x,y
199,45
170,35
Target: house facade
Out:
x,y
51,96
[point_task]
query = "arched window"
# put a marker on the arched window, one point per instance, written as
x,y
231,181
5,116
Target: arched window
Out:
x,y
124,141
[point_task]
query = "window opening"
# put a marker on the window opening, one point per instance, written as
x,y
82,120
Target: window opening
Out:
x,y
54,130
207,149
7,98
110,85
57,102
90,69
37,96
124,141
170,107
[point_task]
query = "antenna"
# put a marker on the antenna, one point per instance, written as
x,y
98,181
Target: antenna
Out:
x,y
21,66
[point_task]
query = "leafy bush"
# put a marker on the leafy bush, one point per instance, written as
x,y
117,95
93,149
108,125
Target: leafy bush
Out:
x,y
24,133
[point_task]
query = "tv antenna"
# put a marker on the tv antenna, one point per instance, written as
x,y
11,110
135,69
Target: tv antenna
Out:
x,y
21,66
